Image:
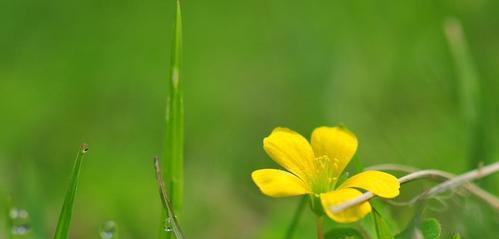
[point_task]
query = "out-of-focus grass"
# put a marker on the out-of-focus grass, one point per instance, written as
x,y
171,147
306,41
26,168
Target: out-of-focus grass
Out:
x,y
94,71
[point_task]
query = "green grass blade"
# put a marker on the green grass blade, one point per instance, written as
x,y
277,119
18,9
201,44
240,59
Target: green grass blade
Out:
x,y
171,220
468,78
63,226
469,94
174,142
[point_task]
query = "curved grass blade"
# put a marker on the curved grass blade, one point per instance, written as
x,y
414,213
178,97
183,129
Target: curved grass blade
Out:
x,y
63,226
171,220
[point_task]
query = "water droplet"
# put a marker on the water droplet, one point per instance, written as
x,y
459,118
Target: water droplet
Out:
x,y
20,230
168,225
108,230
20,221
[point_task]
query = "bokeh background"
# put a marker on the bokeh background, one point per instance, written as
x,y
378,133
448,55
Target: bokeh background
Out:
x,y
96,72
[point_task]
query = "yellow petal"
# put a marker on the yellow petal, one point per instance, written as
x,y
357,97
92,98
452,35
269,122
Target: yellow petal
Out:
x,y
380,183
278,183
290,150
339,196
337,143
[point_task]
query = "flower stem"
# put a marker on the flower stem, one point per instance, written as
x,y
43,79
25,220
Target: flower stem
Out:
x,y
320,228
296,217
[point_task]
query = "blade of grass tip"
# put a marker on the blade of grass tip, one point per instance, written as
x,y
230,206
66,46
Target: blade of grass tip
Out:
x,y
173,224
175,120
63,226
469,90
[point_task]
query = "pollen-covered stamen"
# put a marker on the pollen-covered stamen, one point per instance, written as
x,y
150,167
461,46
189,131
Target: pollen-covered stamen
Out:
x,y
335,164
325,177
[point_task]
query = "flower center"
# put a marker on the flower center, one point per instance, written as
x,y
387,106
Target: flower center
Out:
x,y
325,174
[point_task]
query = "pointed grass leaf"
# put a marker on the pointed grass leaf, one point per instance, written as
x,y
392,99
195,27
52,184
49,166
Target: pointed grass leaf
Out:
x,y
63,226
174,141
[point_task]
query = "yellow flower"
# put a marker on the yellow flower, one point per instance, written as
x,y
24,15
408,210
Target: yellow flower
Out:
x,y
314,168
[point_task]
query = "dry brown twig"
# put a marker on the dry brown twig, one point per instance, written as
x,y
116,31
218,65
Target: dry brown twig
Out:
x,y
452,182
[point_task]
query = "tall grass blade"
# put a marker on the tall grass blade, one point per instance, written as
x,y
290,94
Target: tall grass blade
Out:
x,y
174,142
470,94
63,226
171,221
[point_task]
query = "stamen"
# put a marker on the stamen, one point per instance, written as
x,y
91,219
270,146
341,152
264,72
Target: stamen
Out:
x,y
325,169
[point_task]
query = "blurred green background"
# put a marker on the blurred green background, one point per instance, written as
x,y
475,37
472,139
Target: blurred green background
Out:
x,y
96,72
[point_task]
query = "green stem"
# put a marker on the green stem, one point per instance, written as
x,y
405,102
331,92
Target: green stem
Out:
x,y
320,227
296,218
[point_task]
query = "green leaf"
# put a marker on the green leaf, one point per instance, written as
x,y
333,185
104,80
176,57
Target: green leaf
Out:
x,y
411,228
343,233
430,228
63,226
456,236
383,231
